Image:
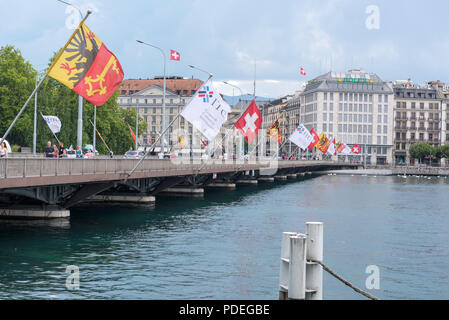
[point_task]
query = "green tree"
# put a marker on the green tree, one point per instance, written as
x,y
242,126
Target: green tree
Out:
x,y
421,150
56,99
17,81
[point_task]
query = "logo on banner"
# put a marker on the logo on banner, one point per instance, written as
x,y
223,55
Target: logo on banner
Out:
x,y
206,94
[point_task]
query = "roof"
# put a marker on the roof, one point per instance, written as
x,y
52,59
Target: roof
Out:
x,y
179,86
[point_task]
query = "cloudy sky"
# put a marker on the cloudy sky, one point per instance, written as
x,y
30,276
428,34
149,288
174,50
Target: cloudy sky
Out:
x,y
409,40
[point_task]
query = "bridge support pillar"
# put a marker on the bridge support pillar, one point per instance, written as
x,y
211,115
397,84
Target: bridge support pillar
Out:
x,y
184,191
266,179
246,182
136,199
221,185
34,213
280,178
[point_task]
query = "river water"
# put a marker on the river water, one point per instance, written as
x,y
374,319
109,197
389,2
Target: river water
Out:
x,y
227,245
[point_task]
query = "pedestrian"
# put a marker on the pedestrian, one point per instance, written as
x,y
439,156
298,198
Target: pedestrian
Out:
x,y
3,150
62,153
49,150
89,154
79,152
55,151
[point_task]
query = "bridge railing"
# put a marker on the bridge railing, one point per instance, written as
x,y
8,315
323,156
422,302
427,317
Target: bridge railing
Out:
x,y
26,167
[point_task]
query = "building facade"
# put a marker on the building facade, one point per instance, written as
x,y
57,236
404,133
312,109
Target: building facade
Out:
x,y
354,107
147,97
419,117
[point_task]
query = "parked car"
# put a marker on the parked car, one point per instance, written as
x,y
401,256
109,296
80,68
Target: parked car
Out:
x,y
71,154
134,155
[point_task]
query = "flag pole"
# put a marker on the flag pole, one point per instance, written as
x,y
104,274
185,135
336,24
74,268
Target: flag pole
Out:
x,y
101,138
54,134
152,146
95,128
38,86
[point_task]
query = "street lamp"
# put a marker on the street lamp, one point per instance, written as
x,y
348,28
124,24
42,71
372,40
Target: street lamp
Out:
x,y
199,69
163,100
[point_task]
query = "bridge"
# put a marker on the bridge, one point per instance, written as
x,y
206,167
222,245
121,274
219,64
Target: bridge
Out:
x,y
48,188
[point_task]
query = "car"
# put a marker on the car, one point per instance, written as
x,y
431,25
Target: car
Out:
x,y
134,155
71,154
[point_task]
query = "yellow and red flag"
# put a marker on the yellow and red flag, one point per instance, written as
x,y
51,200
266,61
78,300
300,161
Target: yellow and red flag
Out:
x,y
86,66
324,144
274,132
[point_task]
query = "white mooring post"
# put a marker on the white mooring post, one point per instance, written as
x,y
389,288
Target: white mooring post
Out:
x,y
300,279
285,264
297,270
314,271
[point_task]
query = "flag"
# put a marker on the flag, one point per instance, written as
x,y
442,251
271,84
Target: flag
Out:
x,y
323,144
207,111
86,66
98,132
53,123
316,138
302,137
204,142
332,150
132,133
250,122
340,147
174,55
356,149
303,72
274,131
181,142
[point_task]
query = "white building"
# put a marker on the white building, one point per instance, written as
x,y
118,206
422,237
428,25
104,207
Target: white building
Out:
x,y
354,107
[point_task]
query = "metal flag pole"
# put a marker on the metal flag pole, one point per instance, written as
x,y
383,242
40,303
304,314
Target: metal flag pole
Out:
x,y
152,146
101,138
54,134
137,123
95,128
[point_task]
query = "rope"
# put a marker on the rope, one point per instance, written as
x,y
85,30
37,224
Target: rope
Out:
x,y
326,268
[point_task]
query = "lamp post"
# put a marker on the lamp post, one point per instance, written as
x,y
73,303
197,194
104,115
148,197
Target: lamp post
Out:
x,y
163,99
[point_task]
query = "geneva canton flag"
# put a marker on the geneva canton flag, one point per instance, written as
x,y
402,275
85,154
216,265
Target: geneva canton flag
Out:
x,y
207,111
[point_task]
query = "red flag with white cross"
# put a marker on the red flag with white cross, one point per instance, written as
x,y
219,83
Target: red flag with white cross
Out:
x,y
356,149
174,55
250,122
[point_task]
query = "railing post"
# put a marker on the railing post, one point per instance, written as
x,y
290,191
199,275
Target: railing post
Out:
x,y
314,271
25,168
297,270
285,264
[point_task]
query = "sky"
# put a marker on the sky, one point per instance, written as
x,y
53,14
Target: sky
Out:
x,y
396,40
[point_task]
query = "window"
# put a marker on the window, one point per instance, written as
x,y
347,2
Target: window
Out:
x,y
325,96
325,106
331,107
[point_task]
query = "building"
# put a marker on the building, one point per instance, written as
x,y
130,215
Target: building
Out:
x,y
418,117
354,107
147,96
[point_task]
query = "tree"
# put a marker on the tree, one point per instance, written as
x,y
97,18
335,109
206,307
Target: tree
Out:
x,y
421,150
17,81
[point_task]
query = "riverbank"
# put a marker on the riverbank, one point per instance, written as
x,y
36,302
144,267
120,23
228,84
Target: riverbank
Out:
x,y
393,171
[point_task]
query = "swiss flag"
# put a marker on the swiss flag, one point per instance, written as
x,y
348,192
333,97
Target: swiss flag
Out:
x,y
174,55
250,122
356,149
316,138
303,72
